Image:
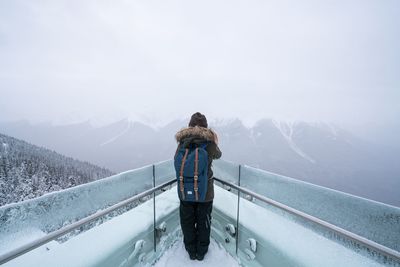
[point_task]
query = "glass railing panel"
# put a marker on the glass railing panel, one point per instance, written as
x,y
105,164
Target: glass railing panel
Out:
x,y
259,236
166,224
135,241
225,206
125,240
223,218
373,220
164,171
226,170
268,237
25,221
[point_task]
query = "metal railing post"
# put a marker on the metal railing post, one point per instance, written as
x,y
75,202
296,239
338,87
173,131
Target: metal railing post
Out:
x,y
154,208
237,215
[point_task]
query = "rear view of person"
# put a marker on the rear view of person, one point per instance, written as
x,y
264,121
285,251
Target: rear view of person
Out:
x,y
197,147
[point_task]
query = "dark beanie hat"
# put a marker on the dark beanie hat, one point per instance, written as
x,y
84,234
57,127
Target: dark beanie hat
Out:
x,y
198,119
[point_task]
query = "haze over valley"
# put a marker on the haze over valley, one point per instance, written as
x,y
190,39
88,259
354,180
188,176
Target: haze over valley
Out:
x,y
319,153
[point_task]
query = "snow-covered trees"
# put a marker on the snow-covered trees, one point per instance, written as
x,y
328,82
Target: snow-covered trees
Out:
x,y
28,171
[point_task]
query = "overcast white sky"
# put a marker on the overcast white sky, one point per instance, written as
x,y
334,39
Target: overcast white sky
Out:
x,y
64,61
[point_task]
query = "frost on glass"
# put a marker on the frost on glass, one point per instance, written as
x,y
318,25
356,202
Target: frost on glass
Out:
x,y
267,238
125,240
50,212
226,170
164,171
376,221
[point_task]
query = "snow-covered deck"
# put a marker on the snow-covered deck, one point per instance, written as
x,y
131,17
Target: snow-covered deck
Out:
x,y
126,240
177,256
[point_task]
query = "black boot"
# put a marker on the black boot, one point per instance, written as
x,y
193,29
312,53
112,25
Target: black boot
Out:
x,y
199,257
192,256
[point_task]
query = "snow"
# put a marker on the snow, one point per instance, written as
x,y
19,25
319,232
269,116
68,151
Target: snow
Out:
x,y
53,210
21,237
177,256
332,129
105,242
287,130
118,135
293,241
222,122
270,230
5,145
373,220
28,171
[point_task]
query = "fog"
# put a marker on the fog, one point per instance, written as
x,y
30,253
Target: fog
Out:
x,y
156,61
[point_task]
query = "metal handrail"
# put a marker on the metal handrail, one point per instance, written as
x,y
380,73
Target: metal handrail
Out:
x,y
358,239
62,231
53,235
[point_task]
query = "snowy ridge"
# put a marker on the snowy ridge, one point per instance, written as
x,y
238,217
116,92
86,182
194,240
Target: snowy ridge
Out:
x,y
254,135
118,135
333,129
222,122
287,130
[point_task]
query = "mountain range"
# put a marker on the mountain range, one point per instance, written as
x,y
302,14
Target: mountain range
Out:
x,y
319,153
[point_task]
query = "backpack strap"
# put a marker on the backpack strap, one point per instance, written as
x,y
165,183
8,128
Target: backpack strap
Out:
x,y
196,173
181,173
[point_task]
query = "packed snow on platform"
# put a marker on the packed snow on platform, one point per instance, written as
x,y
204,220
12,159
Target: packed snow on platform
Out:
x,y
177,256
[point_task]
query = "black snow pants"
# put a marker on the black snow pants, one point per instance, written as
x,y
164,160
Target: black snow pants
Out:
x,y
196,226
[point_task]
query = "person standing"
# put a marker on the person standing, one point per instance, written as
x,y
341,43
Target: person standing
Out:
x,y
195,217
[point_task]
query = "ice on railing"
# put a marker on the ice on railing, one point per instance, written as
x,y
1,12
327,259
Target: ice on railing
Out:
x,y
51,211
116,242
283,242
226,170
375,221
164,171
33,218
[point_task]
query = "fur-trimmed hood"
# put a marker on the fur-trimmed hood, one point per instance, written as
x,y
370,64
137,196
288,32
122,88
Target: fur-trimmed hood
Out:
x,y
196,131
